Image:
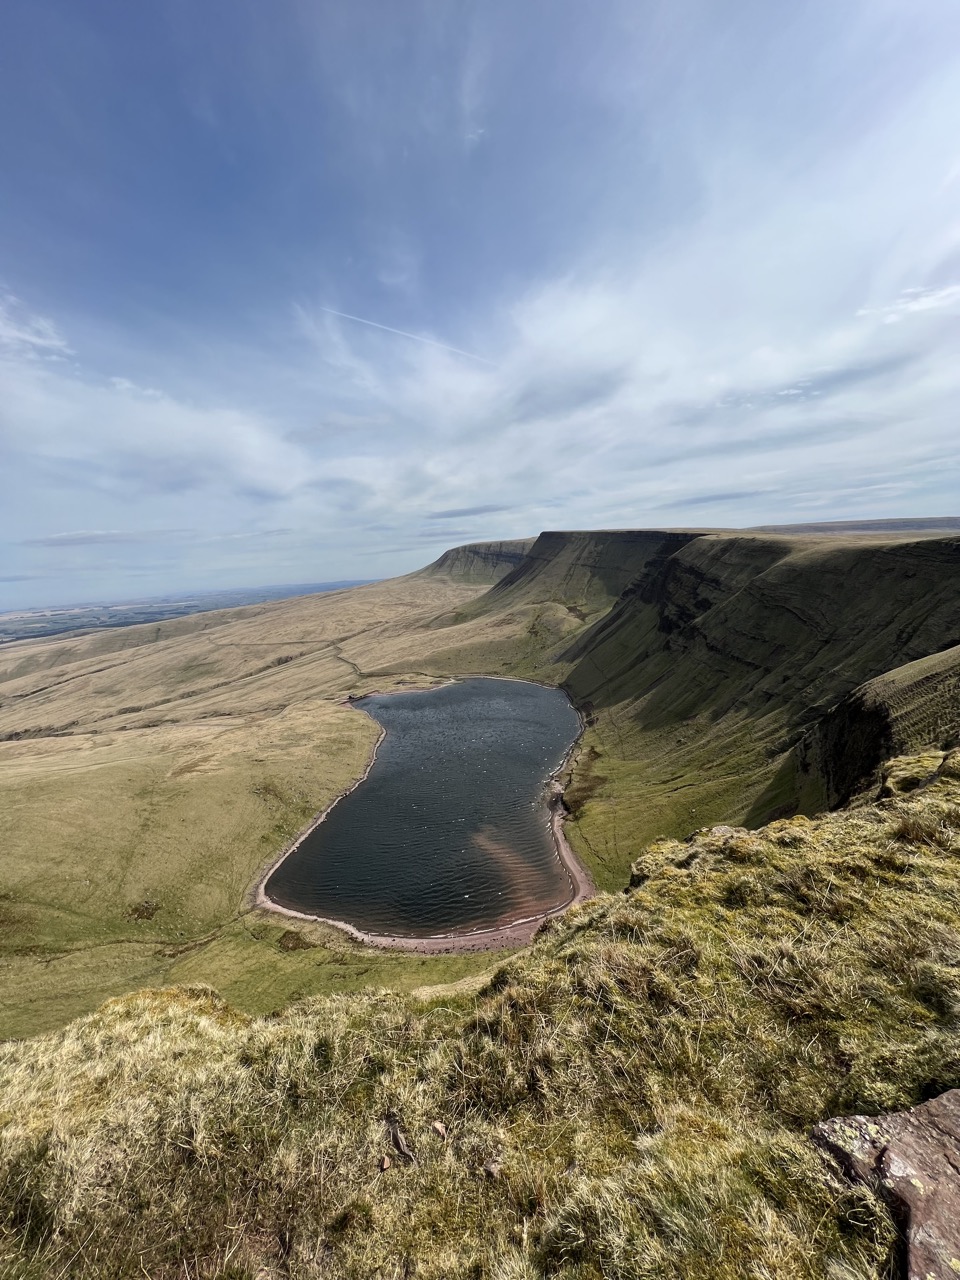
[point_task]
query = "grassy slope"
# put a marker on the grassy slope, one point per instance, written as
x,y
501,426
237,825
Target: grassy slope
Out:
x,y
149,773
705,675
630,1098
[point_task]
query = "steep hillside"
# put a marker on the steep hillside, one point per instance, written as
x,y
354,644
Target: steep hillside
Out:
x,y
712,665
479,563
584,571
918,702
738,623
633,1098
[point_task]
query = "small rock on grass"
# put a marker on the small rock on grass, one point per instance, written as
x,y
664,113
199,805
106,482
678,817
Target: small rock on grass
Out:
x,y
398,1137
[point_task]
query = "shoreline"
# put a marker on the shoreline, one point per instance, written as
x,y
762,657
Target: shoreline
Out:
x,y
515,933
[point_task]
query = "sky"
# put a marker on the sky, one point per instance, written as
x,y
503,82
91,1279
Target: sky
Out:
x,y
309,291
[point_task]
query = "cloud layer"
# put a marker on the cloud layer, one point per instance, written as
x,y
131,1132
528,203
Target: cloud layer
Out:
x,y
378,286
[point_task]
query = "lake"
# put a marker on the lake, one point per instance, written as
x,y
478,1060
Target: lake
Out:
x,y
450,830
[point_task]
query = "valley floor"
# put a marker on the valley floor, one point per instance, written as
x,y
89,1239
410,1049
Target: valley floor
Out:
x,y
148,774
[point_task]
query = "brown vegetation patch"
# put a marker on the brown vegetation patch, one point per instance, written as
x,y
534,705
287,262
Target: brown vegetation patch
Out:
x,y
144,910
294,940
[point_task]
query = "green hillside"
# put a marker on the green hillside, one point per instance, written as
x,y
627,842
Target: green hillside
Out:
x,y
706,662
630,1099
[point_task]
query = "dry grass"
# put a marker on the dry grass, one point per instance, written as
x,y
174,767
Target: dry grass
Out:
x,y
629,1099
195,749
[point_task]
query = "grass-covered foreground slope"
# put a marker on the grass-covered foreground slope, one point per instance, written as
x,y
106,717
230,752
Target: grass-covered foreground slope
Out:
x,y
631,1098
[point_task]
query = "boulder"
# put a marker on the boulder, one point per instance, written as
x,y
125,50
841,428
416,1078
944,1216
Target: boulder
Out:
x,y
912,1159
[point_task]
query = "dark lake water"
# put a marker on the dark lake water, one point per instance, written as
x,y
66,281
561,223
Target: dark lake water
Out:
x,y
450,830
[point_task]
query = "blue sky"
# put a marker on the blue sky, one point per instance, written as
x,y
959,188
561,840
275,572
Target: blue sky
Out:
x,y
619,264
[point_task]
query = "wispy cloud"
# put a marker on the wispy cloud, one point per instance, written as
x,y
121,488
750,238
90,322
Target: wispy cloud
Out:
x,y
103,537
717,499
456,513
585,272
914,301
402,333
23,333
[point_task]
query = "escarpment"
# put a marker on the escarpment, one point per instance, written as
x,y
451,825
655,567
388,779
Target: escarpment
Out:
x,y
704,659
755,620
720,653
588,569
892,714
479,562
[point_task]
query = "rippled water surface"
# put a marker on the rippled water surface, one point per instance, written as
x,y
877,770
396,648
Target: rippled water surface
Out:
x,y
450,830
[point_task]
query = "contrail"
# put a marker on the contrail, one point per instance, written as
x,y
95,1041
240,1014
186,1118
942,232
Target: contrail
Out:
x,y
431,342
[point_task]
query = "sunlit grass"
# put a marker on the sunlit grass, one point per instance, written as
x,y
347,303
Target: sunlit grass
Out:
x,y
631,1098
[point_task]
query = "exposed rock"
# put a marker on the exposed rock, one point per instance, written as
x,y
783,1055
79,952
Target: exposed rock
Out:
x,y
398,1137
905,774
892,714
912,1158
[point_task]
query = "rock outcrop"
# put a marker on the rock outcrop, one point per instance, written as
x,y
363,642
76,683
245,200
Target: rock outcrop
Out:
x,y
912,1159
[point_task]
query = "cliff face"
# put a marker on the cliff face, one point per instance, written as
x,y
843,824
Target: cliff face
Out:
x,y
584,570
736,621
479,562
895,713
727,649
704,658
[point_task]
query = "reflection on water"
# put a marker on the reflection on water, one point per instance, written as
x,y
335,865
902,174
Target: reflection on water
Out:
x,y
450,830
